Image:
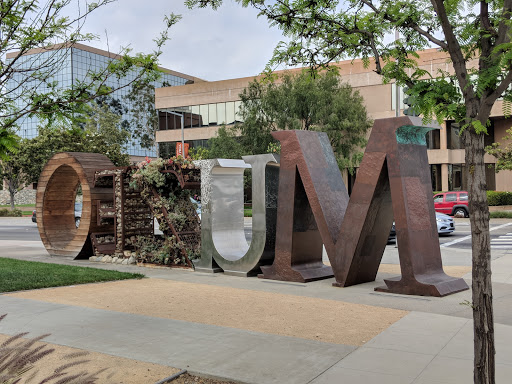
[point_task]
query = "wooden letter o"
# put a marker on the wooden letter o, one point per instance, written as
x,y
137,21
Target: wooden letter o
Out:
x,y
55,202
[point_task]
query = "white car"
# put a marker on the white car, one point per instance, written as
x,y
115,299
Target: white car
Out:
x,y
445,224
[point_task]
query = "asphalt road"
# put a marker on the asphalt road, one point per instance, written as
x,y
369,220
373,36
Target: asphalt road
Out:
x,y
501,232
18,228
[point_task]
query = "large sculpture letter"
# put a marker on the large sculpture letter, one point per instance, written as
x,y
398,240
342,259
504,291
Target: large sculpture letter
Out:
x,y
55,202
394,179
222,219
311,204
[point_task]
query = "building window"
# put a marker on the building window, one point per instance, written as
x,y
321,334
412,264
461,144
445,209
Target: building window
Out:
x,y
434,139
490,177
203,111
457,177
435,175
454,139
230,112
212,114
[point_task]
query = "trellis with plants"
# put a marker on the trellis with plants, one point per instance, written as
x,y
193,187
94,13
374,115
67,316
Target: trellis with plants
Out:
x,y
165,185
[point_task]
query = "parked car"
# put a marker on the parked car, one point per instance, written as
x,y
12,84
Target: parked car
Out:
x,y
452,203
392,234
445,226
78,214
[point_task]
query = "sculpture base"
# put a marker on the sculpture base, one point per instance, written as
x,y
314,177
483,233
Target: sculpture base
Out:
x,y
208,270
438,285
241,274
206,266
298,273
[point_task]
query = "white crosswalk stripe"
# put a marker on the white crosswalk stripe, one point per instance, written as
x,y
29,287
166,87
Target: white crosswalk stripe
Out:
x,y
502,242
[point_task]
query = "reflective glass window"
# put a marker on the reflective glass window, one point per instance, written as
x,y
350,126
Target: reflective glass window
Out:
x,y
212,114
196,117
438,199
221,113
203,111
230,112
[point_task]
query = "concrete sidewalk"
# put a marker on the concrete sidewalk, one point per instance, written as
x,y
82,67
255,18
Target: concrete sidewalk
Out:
x,y
432,344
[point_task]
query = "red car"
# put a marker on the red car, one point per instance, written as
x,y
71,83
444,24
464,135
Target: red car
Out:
x,y
452,203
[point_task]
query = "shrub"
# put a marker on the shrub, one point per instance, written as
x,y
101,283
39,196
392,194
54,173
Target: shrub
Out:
x,y
8,213
21,357
501,215
495,198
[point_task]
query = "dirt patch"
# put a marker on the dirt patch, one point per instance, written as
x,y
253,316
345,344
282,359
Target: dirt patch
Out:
x,y
297,316
117,370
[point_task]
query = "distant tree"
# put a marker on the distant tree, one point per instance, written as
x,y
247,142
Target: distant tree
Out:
x,y
35,153
307,101
103,119
226,145
11,172
502,153
144,122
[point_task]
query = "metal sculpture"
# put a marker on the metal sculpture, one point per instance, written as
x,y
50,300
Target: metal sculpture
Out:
x,y
394,180
311,205
55,202
224,246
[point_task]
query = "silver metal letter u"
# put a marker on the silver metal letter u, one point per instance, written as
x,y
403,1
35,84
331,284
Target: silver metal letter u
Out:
x,y
223,243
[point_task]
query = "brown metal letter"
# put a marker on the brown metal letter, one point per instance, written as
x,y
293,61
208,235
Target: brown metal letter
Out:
x,y
394,179
311,204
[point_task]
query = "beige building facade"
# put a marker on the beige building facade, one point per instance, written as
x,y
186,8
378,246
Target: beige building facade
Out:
x,y
207,105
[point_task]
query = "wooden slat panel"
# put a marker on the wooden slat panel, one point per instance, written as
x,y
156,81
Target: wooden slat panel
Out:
x,y
55,200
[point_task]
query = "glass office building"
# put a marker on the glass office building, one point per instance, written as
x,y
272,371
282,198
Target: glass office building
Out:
x,y
65,66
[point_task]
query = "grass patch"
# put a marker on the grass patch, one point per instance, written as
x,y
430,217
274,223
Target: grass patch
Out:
x,y
247,212
501,215
20,275
17,205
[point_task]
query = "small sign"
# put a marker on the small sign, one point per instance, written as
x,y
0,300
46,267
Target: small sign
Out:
x,y
179,150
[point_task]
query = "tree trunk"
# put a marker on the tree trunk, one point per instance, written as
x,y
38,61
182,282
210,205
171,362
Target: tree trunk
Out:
x,y
12,192
483,320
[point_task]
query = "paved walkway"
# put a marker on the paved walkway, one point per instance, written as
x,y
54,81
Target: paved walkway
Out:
x,y
431,344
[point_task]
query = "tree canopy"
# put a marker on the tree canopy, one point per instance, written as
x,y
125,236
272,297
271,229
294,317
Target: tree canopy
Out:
x,y
308,101
34,153
9,142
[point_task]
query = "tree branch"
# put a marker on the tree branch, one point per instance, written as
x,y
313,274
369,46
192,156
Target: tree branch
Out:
x,y
454,50
409,24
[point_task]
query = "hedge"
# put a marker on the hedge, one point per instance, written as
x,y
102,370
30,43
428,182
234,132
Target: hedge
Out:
x,y
7,212
500,215
499,198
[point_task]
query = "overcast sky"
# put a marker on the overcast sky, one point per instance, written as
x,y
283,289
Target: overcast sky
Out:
x,y
213,45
